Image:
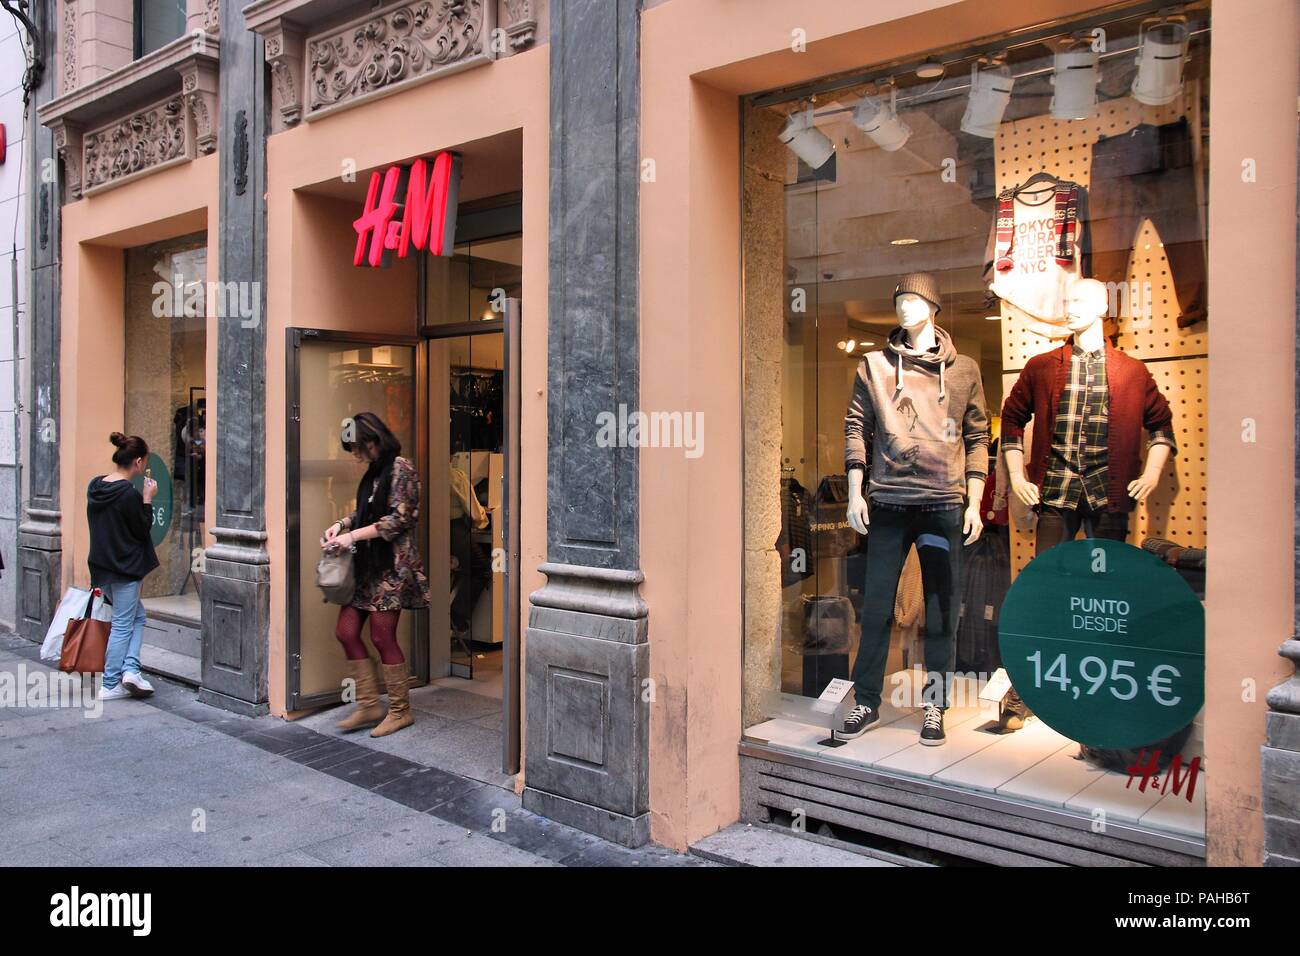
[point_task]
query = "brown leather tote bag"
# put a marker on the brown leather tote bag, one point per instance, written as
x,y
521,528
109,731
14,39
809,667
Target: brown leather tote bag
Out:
x,y
85,642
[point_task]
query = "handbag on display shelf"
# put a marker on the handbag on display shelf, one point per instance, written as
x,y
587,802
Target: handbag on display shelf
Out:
x,y
85,642
335,575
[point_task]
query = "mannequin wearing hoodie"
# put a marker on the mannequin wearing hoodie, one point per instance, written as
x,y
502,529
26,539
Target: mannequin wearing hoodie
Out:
x,y
921,407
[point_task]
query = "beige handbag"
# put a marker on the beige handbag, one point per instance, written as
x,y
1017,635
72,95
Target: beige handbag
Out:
x,y
335,576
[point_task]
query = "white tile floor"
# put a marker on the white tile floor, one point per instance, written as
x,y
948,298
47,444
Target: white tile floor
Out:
x,y
1034,764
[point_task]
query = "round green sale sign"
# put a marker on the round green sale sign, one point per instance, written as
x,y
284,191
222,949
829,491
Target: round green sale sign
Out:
x,y
1105,643
162,501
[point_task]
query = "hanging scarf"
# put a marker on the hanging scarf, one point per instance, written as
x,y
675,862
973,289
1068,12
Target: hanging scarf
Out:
x,y
1065,225
375,556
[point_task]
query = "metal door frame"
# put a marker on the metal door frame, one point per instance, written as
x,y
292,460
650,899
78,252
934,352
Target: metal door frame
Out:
x,y
294,337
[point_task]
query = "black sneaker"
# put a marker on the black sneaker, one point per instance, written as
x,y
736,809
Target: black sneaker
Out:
x,y
858,722
932,734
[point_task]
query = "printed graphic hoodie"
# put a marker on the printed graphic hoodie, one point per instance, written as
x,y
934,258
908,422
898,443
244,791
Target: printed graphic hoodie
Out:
x,y
924,414
120,521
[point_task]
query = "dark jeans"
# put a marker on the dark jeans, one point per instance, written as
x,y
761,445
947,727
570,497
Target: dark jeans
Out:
x,y
1148,173
473,574
938,539
1056,525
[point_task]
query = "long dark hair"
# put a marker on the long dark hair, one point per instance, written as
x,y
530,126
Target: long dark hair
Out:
x,y
369,429
374,557
129,448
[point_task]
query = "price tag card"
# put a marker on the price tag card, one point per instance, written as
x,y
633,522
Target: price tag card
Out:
x,y
834,695
996,687
1105,643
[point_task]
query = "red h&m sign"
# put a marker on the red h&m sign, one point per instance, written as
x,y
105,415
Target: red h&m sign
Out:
x,y
406,207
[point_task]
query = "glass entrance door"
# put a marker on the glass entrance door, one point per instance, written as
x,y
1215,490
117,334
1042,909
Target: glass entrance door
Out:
x,y
333,376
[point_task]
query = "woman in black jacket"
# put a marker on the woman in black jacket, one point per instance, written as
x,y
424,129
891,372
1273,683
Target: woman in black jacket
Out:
x,y
121,554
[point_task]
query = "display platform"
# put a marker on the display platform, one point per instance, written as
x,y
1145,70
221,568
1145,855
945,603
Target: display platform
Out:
x,y
1035,765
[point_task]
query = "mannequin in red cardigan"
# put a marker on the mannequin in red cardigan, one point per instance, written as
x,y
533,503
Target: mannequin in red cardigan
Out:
x,y
1086,471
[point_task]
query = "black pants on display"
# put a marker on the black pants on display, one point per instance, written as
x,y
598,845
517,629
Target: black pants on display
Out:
x,y
937,535
1056,525
1148,173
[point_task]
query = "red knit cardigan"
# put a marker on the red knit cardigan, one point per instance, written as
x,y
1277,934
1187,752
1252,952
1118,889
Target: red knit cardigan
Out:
x,y
1134,402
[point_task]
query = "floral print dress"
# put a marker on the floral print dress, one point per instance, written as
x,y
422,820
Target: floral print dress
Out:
x,y
405,584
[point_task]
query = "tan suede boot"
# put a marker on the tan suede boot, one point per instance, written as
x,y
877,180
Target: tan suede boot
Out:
x,y
397,677
369,709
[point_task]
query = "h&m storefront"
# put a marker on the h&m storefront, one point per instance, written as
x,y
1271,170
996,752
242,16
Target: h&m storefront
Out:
x,y
956,170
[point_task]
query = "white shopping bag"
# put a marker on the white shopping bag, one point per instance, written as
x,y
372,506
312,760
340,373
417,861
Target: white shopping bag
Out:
x,y
72,605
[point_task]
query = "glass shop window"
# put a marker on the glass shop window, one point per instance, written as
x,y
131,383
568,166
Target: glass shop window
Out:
x,y
914,251
166,402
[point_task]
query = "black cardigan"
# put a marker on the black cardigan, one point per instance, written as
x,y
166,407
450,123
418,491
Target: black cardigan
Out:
x,y
120,521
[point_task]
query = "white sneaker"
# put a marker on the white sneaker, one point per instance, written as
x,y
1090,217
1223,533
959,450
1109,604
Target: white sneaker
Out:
x,y
115,693
136,685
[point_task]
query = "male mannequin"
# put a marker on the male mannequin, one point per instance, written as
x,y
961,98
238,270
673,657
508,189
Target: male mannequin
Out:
x,y
1086,472
1088,402
921,406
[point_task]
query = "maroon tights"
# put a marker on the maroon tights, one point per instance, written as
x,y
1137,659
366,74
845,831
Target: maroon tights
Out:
x,y
383,634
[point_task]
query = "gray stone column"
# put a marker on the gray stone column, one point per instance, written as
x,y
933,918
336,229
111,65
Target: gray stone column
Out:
x,y
40,543
236,587
587,724
1280,757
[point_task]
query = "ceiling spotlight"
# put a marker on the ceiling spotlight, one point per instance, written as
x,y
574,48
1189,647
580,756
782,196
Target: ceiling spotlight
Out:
x,y
990,92
850,346
805,140
904,242
1074,81
881,122
1162,50
992,318
930,70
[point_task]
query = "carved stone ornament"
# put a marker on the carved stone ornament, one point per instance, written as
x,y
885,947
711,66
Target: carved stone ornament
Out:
x,y
147,139
520,23
395,45
68,45
284,54
68,143
212,16
199,83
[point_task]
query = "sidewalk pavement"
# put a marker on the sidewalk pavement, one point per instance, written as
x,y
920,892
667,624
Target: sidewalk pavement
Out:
x,y
169,781
172,782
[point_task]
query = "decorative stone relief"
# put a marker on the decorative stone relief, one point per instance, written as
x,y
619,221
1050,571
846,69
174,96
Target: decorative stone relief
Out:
x,y
67,143
284,53
520,22
199,83
212,16
142,141
395,45
68,45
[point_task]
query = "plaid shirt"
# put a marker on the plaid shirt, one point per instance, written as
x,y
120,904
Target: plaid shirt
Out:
x,y
1077,468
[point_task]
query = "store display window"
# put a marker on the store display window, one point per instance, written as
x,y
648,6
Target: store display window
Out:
x,y
166,404
976,351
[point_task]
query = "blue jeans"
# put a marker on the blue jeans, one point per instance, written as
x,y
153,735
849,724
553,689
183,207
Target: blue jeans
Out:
x,y
126,634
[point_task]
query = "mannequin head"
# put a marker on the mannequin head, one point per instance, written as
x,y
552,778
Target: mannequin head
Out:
x,y
913,311
1086,305
916,300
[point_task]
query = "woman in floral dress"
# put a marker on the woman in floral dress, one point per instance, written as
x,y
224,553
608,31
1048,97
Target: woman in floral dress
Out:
x,y
388,570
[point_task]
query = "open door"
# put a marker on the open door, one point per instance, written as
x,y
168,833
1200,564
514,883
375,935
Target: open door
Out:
x,y
330,377
510,505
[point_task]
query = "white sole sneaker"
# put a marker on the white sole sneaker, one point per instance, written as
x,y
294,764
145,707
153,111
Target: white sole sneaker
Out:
x,y
136,685
115,693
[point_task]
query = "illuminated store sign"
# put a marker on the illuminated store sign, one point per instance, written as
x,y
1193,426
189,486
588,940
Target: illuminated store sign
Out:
x,y
409,206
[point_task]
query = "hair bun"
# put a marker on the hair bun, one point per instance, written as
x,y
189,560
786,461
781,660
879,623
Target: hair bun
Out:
x,y
118,439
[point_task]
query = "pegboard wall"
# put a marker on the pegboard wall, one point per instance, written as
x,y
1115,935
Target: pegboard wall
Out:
x,y
1175,357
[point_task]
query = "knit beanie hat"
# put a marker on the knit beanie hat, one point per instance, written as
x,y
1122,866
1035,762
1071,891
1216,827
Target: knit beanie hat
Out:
x,y
922,284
